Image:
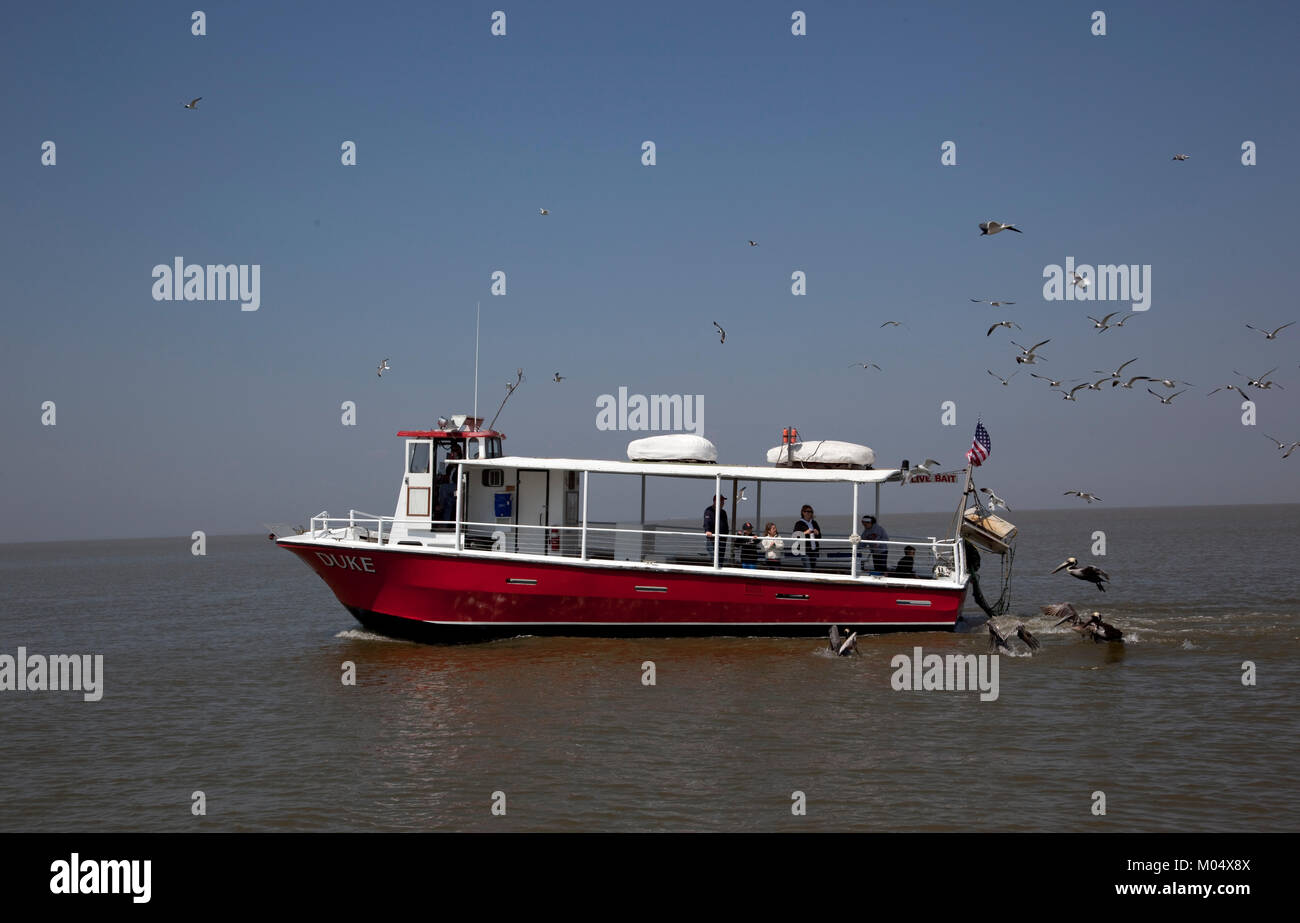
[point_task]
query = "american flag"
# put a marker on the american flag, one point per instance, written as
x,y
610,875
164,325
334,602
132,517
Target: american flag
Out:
x,y
980,446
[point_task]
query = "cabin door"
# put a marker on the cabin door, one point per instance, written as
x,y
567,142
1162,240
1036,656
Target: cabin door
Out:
x,y
532,516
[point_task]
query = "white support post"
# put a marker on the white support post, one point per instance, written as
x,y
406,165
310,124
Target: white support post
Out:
x,y
584,513
717,517
460,472
853,530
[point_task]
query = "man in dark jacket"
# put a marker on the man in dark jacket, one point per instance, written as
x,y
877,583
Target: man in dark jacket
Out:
x,y
748,545
811,532
722,527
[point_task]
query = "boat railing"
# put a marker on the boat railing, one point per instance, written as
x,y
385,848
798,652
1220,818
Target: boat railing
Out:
x,y
932,557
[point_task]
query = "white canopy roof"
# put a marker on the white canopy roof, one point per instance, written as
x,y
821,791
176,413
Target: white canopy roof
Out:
x,y
687,470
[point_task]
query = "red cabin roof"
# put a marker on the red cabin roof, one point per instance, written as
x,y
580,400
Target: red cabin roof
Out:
x,y
448,434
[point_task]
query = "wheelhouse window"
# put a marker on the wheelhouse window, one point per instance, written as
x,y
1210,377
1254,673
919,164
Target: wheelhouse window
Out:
x,y
494,447
418,461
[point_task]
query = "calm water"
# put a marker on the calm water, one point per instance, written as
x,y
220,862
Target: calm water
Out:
x,y
222,674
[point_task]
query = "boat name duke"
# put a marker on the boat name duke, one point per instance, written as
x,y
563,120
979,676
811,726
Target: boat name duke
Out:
x,y
657,412
234,282
950,673
347,562
53,673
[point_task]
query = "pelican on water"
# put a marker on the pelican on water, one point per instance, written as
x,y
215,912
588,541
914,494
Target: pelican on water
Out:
x,y
1088,572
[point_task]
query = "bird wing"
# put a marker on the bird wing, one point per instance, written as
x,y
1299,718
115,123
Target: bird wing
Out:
x,y
1009,227
1036,345
1283,327
1130,362
1077,387
991,329
1109,316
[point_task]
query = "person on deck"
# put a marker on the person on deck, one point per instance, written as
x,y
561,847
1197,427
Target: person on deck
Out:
x,y
873,535
906,566
812,531
748,546
722,527
772,547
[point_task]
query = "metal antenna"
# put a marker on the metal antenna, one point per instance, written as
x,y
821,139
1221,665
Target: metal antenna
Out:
x,y
510,389
476,314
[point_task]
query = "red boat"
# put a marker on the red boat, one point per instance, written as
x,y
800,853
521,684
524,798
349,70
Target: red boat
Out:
x,y
484,544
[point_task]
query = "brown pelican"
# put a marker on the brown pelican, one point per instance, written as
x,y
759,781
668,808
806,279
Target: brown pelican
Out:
x,y
1088,572
835,639
1273,335
1083,494
1098,630
998,640
1063,612
845,647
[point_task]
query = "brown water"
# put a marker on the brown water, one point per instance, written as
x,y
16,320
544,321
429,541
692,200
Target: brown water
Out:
x,y
222,674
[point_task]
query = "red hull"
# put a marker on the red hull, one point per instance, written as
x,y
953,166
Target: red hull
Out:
x,y
427,595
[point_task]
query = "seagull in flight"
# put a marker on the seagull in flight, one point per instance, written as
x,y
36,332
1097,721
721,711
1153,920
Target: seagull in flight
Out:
x,y
1005,381
926,467
1029,356
1104,323
1118,372
1280,445
1086,496
193,103
996,304
1273,335
1129,383
559,377
753,243
1170,382
1258,382
1079,281
1230,388
865,365
543,211
384,367
1124,320
993,227
1070,395
722,334
891,323
1170,398
1051,382
1181,156
1003,323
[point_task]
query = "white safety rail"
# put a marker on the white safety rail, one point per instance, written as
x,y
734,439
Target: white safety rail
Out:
x,y
933,558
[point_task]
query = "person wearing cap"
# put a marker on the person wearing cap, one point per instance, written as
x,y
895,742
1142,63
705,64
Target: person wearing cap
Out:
x,y
748,543
722,526
812,531
873,534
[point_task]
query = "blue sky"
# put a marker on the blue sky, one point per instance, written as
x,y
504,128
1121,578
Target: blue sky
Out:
x,y
174,416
